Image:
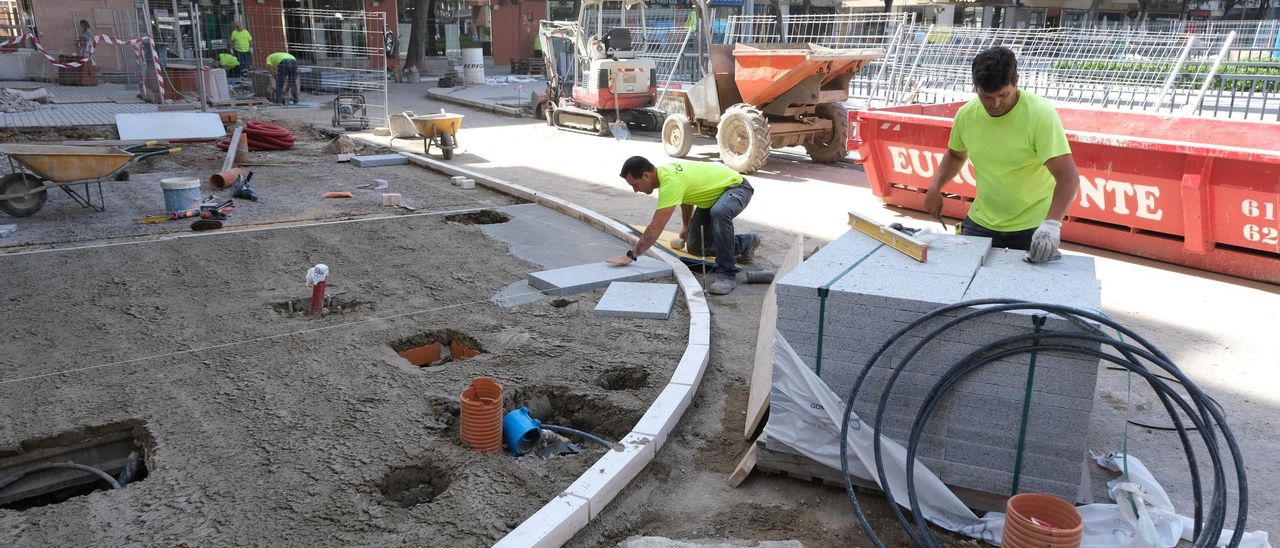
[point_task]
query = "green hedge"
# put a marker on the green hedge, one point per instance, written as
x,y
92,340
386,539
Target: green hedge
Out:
x,y
1187,74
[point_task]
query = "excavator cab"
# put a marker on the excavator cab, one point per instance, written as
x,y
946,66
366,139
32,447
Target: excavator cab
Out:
x,y
617,44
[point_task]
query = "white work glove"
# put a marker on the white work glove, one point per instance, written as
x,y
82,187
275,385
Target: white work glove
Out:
x,y
1044,243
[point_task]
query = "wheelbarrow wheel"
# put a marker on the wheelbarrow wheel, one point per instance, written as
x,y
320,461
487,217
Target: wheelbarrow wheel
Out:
x,y
677,136
743,137
22,206
446,145
826,151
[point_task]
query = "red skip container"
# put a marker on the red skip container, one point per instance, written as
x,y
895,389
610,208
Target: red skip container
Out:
x,y
1192,191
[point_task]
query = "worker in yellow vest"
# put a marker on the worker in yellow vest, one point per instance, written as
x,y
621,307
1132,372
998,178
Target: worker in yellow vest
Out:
x,y
284,67
241,46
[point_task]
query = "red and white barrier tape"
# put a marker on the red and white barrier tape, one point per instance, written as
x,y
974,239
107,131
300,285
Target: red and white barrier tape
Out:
x,y
136,42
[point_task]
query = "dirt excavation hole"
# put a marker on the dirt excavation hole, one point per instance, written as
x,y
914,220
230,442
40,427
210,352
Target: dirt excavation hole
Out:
x,y
561,303
39,474
591,413
482,217
623,379
413,485
333,304
435,348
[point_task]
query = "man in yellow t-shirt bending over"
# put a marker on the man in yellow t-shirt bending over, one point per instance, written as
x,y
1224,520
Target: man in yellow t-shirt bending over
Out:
x,y
1026,177
710,196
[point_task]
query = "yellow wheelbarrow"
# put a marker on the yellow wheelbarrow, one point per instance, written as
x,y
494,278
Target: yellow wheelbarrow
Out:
x,y
37,168
440,130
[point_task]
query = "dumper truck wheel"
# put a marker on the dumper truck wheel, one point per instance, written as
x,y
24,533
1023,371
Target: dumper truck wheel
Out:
x,y
27,204
836,145
677,136
743,137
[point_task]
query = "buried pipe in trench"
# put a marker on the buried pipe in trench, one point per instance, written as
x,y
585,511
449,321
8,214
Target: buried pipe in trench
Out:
x,y
57,465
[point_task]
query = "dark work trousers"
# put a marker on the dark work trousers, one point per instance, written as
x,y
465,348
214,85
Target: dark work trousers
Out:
x,y
1010,240
713,228
246,61
287,70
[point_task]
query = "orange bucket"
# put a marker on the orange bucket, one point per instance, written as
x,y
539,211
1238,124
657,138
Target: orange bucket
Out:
x,y
481,415
1056,523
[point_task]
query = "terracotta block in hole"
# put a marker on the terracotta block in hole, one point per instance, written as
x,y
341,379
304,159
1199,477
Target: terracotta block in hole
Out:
x,y
426,354
459,349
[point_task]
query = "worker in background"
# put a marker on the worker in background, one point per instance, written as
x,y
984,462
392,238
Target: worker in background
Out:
x,y
241,45
1025,175
229,63
84,40
285,69
710,196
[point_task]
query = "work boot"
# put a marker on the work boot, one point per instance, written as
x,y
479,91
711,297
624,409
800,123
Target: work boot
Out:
x,y
750,253
724,284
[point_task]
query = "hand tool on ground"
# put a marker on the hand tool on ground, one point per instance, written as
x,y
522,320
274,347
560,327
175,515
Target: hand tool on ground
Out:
x,y
184,214
152,219
241,188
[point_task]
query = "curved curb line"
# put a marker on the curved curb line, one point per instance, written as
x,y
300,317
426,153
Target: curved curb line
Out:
x,y
478,105
584,499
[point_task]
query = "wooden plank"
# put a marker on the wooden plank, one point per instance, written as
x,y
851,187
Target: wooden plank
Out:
x,y
664,244
746,465
762,374
230,161
911,247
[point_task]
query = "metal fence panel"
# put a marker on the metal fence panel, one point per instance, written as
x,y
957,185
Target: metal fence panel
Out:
x,y
338,52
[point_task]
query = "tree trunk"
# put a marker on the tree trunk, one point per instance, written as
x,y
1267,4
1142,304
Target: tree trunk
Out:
x,y
417,36
1092,15
433,30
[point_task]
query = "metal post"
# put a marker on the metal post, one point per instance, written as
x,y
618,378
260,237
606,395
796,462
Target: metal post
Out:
x,y
915,64
195,33
1208,79
676,65
1173,74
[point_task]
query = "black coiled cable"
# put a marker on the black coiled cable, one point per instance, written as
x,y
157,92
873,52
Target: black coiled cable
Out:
x,y
1206,417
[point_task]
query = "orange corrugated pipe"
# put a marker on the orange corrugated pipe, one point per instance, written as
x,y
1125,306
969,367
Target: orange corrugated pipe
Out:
x,y
1042,521
482,415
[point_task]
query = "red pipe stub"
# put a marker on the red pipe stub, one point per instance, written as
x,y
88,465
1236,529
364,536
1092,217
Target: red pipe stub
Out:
x,y
481,416
225,179
1041,521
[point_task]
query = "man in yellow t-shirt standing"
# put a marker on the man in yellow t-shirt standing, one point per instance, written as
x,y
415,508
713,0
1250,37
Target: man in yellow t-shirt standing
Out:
x,y
710,196
241,42
1021,160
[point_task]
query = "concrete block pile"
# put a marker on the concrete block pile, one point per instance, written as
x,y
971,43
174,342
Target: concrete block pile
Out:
x,y
873,291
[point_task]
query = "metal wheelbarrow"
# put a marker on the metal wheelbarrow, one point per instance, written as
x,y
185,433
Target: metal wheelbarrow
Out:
x,y
37,168
440,130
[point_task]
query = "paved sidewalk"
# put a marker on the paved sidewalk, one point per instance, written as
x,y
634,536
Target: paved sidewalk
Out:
x,y
76,105
503,93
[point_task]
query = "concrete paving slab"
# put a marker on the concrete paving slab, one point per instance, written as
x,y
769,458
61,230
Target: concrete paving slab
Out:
x,y
637,300
171,125
379,160
585,277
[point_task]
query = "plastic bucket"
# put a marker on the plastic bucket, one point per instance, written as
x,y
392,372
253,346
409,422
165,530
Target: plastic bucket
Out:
x,y
181,194
481,415
473,66
1062,525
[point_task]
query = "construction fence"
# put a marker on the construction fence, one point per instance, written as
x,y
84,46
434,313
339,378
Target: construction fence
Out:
x,y
340,53
1229,70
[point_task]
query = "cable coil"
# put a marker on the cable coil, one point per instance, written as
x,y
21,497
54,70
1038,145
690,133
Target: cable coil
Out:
x,y
1205,415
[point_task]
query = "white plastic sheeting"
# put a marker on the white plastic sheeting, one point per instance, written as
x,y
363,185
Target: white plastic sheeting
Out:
x,y
805,415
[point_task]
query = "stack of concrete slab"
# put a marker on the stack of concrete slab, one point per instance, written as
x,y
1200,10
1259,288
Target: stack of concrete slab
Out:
x,y
872,291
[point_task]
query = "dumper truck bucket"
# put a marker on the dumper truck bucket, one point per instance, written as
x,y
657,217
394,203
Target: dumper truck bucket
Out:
x,y
765,72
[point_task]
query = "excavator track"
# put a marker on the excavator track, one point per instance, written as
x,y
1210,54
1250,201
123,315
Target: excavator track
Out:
x,y
579,120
